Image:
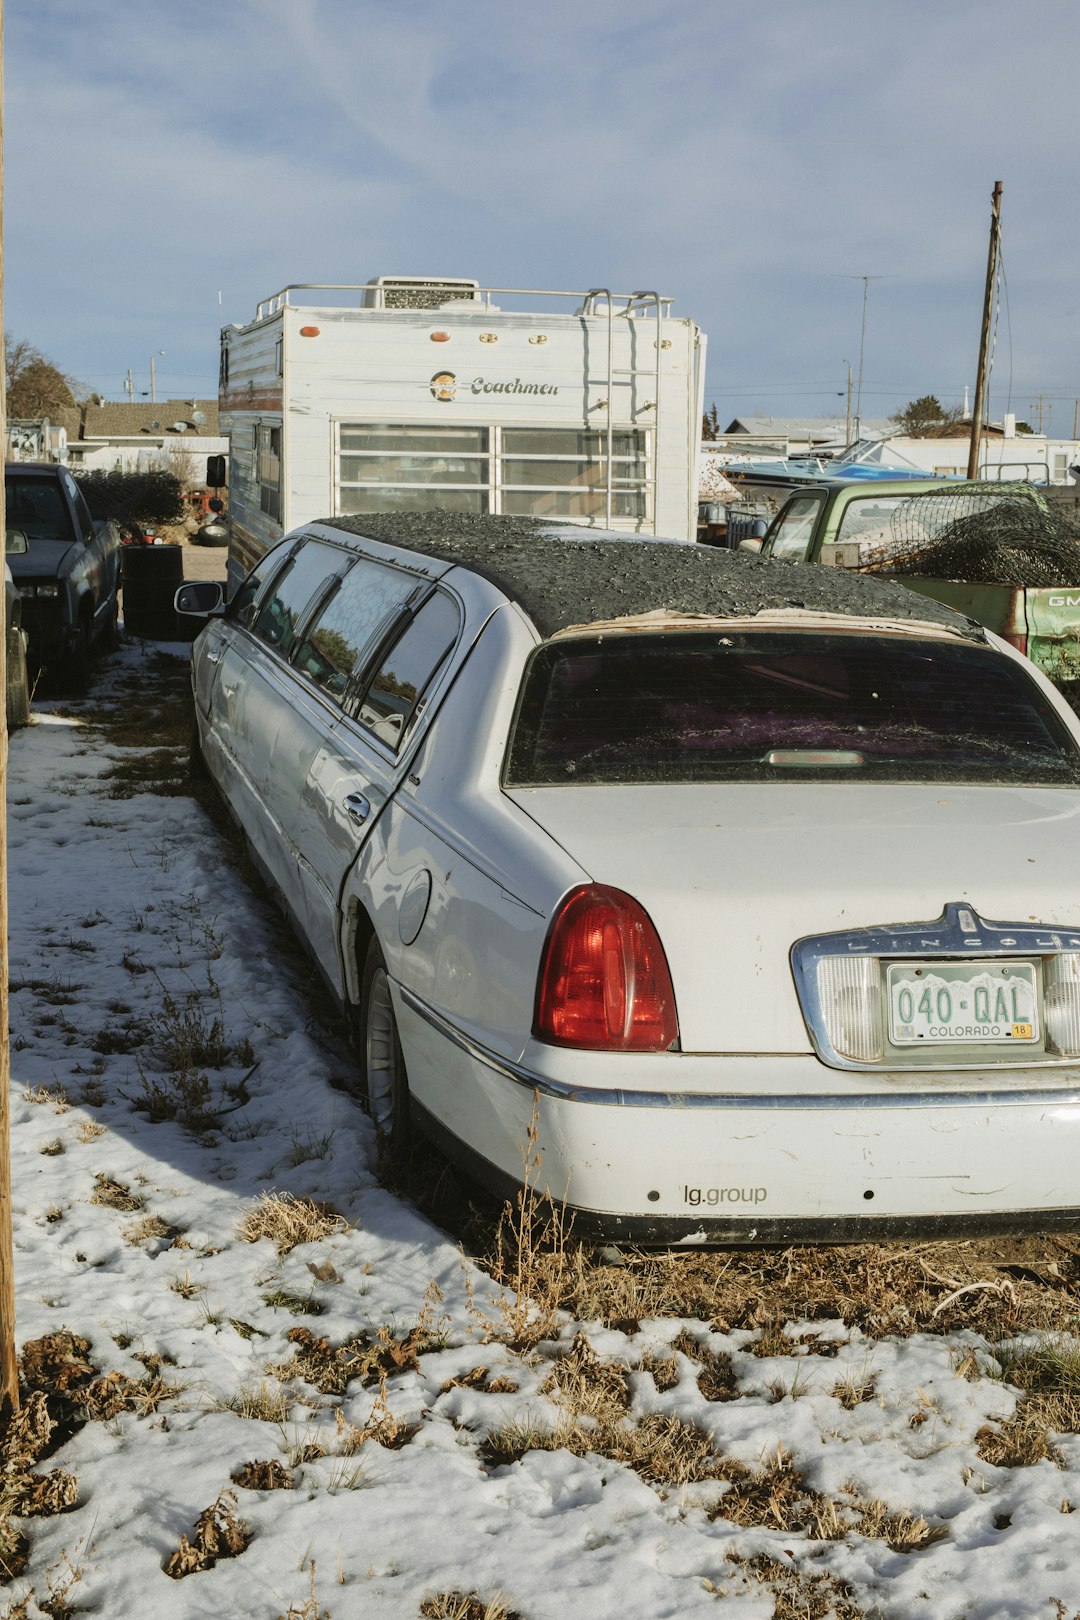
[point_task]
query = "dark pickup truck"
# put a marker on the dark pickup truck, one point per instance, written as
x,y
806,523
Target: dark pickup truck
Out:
x,y
67,573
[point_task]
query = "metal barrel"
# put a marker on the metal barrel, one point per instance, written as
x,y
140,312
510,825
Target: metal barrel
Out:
x,y
151,575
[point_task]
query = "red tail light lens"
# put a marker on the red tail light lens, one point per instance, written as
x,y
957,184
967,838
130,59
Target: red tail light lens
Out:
x,y
604,978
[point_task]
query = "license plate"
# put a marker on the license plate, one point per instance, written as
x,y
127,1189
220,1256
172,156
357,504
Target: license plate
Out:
x,y
950,1003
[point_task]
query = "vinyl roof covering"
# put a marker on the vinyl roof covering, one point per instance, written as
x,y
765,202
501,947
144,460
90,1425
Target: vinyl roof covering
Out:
x,y
562,577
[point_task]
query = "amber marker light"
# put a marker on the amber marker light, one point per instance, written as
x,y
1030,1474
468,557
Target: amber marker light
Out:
x,y
440,337
309,331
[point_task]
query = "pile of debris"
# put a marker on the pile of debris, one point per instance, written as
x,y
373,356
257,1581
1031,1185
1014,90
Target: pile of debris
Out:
x,y
991,534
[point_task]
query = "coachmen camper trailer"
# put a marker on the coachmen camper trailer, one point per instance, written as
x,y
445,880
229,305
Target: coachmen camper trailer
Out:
x,y
413,393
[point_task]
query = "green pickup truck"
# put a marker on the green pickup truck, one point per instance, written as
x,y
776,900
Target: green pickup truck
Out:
x,y
868,526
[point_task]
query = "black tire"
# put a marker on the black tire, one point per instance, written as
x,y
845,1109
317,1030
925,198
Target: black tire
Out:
x,y
110,636
18,681
77,663
383,1079
196,763
211,534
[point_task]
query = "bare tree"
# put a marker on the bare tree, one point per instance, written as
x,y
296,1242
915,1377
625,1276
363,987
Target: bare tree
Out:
x,y
36,387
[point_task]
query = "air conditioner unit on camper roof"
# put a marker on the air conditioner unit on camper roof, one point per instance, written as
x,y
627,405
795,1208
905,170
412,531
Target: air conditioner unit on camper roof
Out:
x,y
417,292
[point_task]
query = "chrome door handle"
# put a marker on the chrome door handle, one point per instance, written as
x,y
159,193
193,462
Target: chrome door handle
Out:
x,y
213,658
357,808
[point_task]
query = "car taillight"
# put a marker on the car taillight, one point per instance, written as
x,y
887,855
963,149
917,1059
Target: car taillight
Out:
x,y
604,979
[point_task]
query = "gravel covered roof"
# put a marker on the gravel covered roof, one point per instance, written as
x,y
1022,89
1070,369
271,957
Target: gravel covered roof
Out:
x,y
561,581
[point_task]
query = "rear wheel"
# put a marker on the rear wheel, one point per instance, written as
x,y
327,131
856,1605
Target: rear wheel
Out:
x,y
196,762
110,636
383,1077
77,663
18,681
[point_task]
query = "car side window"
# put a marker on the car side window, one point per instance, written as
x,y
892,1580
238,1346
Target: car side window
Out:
x,y
242,603
311,568
396,691
348,623
795,528
83,520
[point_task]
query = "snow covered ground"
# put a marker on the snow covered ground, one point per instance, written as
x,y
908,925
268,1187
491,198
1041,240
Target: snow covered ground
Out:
x,y
725,1479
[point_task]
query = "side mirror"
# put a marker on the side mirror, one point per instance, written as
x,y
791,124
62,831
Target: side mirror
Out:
x,y
16,543
216,504
200,598
215,472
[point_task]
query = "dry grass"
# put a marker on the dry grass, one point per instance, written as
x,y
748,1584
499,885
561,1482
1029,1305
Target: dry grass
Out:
x,y
587,1386
115,1195
796,1594
668,1452
1019,1441
369,1358
664,1450
264,1402
1048,1372
88,1130
310,1609
467,1606
149,1230
218,1534
529,1254
289,1221
716,1381
852,1392
54,1097
881,1289
262,1476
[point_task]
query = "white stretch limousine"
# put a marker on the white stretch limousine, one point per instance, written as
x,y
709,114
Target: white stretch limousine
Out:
x,y
758,883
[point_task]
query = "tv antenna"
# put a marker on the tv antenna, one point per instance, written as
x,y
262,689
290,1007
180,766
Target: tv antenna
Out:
x,y
866,280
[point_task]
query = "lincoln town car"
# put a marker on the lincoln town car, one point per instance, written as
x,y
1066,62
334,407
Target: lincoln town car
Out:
x,y
753,887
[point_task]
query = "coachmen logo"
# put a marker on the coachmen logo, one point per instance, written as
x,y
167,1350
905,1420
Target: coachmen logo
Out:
x,y
444,385
480,385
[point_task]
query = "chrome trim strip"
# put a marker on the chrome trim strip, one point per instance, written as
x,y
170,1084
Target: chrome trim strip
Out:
x,y
563,1091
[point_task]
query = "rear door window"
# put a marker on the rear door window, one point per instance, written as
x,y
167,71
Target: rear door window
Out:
x,y
399,686
311,571
783,706
349,622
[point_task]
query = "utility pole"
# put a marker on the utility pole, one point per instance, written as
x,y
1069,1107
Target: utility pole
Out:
x,y
9,1369
130,386
847,422
866,280
1040,407
984,339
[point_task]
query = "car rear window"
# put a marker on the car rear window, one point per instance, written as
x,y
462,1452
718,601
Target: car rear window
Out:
x,y
768,706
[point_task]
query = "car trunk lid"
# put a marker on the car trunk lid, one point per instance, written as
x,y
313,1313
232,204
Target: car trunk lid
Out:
x,y
733,875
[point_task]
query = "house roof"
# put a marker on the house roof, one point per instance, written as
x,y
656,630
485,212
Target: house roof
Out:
x,y
121,420
800,427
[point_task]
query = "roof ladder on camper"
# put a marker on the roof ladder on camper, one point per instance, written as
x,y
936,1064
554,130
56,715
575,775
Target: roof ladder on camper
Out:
x,y
641,303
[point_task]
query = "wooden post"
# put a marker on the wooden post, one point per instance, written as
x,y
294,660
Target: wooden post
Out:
x,y
984,339
847,421
9,1371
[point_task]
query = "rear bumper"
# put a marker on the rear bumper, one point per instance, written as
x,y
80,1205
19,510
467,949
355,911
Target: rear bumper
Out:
x,y
731,1165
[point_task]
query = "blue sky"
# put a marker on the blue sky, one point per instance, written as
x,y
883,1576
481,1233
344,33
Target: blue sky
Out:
x,y
750,161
